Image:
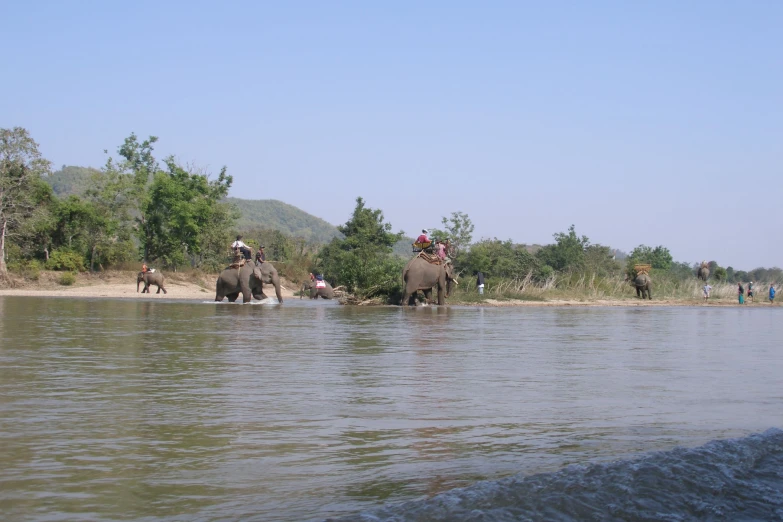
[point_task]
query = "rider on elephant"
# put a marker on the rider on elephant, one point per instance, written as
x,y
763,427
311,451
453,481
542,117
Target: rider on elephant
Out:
x,y
422,242
242,247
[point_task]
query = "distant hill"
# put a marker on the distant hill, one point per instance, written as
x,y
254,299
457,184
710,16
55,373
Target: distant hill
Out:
x,y
71,180
264,213
288,219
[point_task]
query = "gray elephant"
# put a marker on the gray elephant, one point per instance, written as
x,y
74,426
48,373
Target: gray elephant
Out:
x,y
150,278
249,280
419,274
327,292
643,285
704,272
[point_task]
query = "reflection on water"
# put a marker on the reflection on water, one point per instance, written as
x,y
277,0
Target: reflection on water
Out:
x,y
161,409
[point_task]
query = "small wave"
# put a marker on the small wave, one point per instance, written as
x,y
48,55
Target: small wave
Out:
x,y
735,479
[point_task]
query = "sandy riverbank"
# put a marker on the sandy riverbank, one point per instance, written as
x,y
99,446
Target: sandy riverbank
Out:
x,y
190,286
123,285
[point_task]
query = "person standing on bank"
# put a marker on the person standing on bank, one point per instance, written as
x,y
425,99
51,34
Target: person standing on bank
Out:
x,y
741,293
750,291
772,293
480,282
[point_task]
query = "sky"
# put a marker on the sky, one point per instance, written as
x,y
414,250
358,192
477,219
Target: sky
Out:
x,y
656,123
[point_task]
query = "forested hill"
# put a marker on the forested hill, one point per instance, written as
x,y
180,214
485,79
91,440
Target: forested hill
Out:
x,y
265,213
71,180
276,215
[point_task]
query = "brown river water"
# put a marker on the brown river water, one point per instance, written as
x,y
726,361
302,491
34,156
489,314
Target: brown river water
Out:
x,y
169,410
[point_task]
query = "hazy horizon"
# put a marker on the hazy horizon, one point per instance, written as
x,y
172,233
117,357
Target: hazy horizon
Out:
x,y
640,124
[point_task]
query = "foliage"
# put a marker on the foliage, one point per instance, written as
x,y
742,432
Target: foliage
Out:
x,y
568,252
659,257
720,274
600,260
67,279
21,167
180,209
458,229
66,260
497,259
362,261
72,181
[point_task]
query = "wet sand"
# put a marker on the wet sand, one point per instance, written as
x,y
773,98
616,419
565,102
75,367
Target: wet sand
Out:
x,y
123,285
182,286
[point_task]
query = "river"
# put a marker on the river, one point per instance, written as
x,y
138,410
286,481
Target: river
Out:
x,y
164,410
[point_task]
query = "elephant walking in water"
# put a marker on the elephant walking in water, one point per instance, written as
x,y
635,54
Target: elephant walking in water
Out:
x,y
643,285
150,278
249,280
327,292
419,274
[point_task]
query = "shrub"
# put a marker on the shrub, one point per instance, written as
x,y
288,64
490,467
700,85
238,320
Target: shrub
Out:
x,y
67,279
65,260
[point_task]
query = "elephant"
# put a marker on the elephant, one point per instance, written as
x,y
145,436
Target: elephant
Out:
x,y
150,278
704,273
326,293
419,274
643,285
248,280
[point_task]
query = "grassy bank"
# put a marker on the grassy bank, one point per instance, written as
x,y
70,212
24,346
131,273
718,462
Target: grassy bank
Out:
x,y
586,288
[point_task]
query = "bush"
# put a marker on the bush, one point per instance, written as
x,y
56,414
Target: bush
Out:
x,y
66,260
67,279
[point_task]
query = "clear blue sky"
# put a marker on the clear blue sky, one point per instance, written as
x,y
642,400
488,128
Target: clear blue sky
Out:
x,y
639,122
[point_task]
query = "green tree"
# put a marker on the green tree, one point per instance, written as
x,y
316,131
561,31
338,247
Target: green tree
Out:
x,y
130,178
21,167
659,257
362,261
720,274
498,259
179,208
568,252
600,260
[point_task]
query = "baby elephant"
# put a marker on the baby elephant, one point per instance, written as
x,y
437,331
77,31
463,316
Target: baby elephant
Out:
x,y
150,278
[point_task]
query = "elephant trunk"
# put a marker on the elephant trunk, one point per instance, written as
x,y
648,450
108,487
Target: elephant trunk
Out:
x,y
448,286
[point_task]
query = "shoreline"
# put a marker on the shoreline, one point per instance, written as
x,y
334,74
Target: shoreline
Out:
x,y
200,286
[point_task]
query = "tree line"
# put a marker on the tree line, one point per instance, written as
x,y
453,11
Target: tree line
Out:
x,y
135,208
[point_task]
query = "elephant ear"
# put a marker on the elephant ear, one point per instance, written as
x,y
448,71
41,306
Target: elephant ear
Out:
x,y
257,273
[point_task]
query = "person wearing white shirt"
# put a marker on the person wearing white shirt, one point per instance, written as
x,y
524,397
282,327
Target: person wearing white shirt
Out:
x,y
238,244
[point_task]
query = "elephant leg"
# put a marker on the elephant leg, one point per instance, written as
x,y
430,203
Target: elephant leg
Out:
x,y
649,294
164,290
428,295
441,291
406,298
233,297
218,294
639,292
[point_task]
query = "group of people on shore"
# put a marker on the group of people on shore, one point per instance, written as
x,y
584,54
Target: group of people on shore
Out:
x,y
741,292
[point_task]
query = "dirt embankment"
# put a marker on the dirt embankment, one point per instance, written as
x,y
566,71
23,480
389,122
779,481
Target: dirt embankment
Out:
x,y
122,284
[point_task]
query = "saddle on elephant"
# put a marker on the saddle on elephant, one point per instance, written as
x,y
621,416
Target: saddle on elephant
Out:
x,y
642,269
238,261
432,259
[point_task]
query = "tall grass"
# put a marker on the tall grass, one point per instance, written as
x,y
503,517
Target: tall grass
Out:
x,y
587,287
